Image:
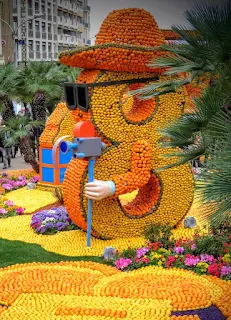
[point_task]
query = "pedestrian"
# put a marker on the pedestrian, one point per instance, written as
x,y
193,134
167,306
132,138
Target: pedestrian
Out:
x,y
6,151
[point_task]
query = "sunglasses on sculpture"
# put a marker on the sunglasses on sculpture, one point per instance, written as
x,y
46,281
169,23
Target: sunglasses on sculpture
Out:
x,y
77,94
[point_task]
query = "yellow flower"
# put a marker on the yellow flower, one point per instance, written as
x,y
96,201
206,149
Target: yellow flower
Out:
x,y
227,258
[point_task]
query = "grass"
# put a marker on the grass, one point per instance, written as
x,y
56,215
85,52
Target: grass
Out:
x,y
12,252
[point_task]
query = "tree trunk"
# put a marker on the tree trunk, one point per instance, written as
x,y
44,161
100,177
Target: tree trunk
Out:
x,y
38,113
28,154
9,109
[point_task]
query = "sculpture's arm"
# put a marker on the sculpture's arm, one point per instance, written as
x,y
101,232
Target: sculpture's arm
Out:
x,y
134,179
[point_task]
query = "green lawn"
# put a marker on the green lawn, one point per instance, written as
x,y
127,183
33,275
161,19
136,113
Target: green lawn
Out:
x,y
12,252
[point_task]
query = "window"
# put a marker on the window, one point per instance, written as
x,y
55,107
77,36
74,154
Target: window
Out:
x,y
15,4
29,4
36,7
49,11
37,46
49,47
43,27
44,47
37,25
43,8
49,28
30,42
15,23
30,25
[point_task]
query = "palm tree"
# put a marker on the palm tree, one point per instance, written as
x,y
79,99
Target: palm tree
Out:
x,y
19,129
9,80
42,85
204,54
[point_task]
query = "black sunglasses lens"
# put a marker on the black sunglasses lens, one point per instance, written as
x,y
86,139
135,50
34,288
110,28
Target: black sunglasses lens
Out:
x,y
70,97
82,98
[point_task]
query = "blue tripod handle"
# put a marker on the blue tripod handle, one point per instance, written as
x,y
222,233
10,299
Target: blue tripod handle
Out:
x,y
91,165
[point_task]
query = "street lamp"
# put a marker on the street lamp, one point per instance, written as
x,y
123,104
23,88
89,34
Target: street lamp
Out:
x,y
15,34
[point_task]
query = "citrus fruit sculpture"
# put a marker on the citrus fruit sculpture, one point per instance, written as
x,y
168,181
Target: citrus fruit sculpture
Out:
x,y
127,40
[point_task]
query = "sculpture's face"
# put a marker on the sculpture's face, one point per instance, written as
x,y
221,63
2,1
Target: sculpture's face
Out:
x,y
123,120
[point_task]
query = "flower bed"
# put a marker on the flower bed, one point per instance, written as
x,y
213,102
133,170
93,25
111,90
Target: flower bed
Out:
x,y
51,221
209,255
8,208
10,182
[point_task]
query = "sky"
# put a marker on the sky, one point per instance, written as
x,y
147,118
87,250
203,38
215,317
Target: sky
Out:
x,y
166,12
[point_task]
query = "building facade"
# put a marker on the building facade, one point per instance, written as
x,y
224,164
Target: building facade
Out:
x,y
52,26
6,43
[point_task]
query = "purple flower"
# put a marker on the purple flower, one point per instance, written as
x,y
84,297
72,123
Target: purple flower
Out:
x,y
141,252
179,250
193,246
225,270
207,258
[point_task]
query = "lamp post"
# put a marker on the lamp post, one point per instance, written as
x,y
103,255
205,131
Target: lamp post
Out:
x,y
14,34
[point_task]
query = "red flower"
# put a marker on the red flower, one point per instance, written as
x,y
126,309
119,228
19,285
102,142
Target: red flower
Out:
x,y
214,269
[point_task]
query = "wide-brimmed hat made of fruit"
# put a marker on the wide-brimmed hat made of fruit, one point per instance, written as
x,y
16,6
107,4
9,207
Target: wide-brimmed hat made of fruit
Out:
x,y
127,40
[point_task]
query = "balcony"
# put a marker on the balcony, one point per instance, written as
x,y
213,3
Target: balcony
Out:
x,y
87,8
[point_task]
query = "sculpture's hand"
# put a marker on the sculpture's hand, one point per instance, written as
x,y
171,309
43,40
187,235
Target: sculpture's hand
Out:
x,y
99,189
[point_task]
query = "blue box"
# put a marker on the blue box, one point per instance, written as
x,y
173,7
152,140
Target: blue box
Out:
x,y
47,156
48,175
65,158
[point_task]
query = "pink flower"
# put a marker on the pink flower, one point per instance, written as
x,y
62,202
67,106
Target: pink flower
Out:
x,y
191,260
19,210
122,263
7,186
9,203
3,211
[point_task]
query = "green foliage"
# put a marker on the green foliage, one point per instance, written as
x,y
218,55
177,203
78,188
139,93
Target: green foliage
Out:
x,y
212,245
17,128
158,233
9,81
27,252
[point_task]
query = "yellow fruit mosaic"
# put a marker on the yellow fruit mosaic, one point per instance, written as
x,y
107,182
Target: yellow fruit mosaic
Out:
x,y
31,200
87,290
